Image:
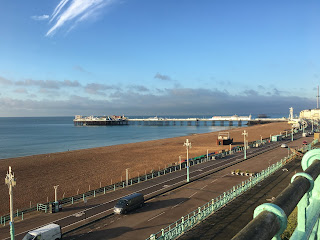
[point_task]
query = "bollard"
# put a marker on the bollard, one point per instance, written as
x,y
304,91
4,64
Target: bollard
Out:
x,y
83,197
22,216
94,193
72,200
114,187
104,190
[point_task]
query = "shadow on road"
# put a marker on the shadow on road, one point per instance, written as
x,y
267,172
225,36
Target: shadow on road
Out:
x,y
148,206
103,234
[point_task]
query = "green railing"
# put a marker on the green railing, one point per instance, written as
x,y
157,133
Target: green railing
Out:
x,y
185,223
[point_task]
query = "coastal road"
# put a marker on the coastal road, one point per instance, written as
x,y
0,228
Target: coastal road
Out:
x,y
165,209
78,214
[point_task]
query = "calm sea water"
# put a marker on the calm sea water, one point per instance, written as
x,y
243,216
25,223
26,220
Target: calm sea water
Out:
x,y
38,135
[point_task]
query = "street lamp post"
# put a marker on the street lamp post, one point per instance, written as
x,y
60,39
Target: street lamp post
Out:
x,y
245,134
11,182
127,176
55,193
292,133
188,145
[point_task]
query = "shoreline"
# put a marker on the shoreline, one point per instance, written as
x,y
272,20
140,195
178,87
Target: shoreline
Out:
x,y
55,138
78,170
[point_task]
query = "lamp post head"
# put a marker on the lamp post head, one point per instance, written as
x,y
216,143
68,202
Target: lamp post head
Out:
x,y
187,144
10,180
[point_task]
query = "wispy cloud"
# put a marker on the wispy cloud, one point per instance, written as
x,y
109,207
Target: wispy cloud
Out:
x,y
98,89
40,18
139,88
80,69
48,83
58,9
74,11
162,77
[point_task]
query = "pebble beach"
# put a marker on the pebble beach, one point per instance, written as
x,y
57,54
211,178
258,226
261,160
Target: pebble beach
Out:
x,y
80,170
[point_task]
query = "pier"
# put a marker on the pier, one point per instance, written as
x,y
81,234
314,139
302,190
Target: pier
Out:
x,y
234,120
99,121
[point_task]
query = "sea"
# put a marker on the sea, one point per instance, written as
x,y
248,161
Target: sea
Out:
x,y
25,136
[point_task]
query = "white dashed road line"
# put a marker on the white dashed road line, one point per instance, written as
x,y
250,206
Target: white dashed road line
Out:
x,y
156,216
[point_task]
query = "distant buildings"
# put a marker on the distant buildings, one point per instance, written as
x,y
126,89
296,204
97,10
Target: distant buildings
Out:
x,y
310,114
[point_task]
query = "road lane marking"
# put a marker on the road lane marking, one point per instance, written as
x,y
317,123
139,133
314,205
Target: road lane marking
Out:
x,y
193,194
156,216
177,205
203,187
214,180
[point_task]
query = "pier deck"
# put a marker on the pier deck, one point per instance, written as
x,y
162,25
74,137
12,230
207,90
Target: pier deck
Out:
x,y
157,121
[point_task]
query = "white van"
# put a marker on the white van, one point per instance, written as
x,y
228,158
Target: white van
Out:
x,y
49,232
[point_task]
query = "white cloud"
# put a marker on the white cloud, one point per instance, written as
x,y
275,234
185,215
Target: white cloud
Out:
x,y
58,9
40,18
76,11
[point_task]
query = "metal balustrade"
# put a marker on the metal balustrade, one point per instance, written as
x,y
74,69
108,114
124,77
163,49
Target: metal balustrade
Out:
x,y
177,228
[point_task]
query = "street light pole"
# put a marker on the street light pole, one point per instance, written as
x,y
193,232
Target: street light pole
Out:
x,y
245,134
55,193
188,145
11,182
292,133
127,176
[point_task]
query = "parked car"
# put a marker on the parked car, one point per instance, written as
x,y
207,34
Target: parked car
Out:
x,y
304,143
283,145
129,203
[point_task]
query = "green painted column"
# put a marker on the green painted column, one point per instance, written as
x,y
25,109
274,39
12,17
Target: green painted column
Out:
x,y
12,230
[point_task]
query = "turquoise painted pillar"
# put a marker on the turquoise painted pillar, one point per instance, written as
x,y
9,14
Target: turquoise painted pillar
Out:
x,y
12,230
188,173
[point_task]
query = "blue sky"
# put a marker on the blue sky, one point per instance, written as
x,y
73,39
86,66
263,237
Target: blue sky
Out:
x,y
142,57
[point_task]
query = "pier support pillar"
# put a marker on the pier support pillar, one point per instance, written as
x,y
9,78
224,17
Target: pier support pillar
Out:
x,y
174,123
189,123
213,123
181,123
230,123
239,123
221,123
205,123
